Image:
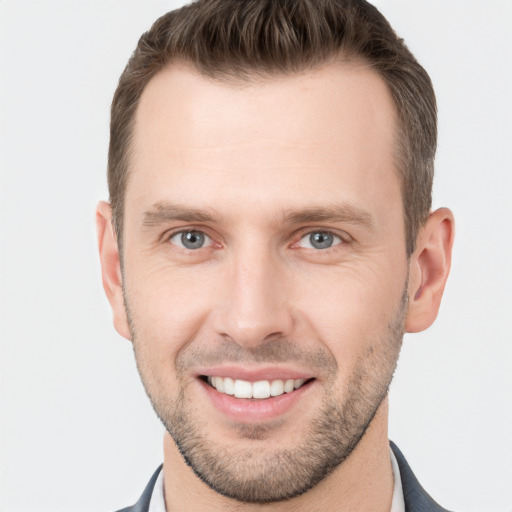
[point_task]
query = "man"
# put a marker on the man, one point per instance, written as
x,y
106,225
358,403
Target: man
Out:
x,y
267,243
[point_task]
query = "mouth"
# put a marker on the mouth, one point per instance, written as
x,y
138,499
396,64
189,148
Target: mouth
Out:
x,y
259,390
255,395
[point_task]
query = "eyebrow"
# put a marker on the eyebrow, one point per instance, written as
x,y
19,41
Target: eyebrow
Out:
x,y
335,213
163,212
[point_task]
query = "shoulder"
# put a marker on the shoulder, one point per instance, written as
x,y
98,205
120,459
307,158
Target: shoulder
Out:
x,y
143,504
415,497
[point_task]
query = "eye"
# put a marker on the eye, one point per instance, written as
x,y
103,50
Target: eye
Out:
x,y
191,240
319,240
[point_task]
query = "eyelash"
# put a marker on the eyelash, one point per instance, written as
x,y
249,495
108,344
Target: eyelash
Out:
x,y
343,239
170,236
337,239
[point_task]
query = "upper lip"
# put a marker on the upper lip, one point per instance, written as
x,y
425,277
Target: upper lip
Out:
x,y
254,374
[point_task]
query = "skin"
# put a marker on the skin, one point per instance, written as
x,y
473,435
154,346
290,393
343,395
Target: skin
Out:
x,y
263,163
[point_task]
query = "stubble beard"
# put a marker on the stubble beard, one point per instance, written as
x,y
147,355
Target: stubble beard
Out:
x,y
248,472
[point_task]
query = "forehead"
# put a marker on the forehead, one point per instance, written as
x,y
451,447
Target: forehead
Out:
x,y
325,134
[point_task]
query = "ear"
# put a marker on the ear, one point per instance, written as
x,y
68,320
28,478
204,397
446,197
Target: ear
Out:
x,y
111,267
429,269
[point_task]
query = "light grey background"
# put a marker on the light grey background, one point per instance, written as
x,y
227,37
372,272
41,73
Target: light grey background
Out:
x,y
77,432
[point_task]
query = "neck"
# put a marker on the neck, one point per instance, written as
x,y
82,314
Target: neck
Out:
x,y
363,482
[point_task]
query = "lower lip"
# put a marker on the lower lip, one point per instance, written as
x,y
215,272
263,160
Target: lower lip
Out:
x,y
244,410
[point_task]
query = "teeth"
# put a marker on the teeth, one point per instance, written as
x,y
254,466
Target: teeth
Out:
x,y
261,389
229,386
289,386
219,384
243,389
276,388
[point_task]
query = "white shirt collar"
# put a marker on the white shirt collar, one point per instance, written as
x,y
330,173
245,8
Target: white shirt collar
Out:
x,y
157,503
398,504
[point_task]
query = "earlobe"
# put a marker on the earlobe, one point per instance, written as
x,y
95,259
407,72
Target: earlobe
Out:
x,y
429,269
111,267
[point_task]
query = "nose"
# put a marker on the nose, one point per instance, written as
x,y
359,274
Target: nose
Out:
x,y
254,307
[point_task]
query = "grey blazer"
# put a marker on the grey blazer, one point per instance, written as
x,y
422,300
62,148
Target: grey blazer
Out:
x,y
415,497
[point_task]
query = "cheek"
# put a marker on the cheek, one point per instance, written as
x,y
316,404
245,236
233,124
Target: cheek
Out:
x,y
167,308
350,311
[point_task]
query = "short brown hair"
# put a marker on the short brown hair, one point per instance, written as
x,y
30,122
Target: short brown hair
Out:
x,y
243,39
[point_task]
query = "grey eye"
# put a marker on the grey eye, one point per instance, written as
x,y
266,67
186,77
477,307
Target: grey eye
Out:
x,y
191,240
319,240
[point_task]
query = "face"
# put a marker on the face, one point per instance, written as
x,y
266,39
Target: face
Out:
x,y
265,270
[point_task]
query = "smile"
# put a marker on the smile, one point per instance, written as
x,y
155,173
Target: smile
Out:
x,y
260,390
255,395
